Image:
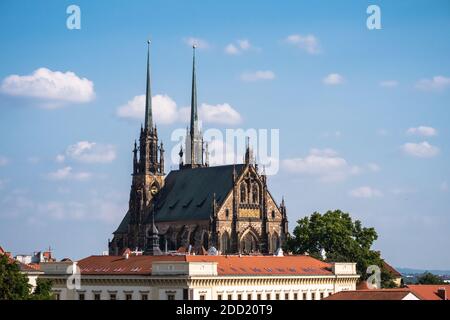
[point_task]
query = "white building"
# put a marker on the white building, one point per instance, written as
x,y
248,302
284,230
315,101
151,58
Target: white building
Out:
x,y
201,277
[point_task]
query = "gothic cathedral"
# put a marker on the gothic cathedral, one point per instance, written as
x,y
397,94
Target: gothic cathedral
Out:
x,y
198,206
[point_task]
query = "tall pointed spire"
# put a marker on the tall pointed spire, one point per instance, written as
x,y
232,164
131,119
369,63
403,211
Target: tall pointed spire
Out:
x,y
194,115
194,147
148,94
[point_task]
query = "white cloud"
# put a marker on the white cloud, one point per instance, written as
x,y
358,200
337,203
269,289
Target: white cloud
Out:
x,y
325,164
389,83
54,87
333,79
102,206
232,49
238,47
165,111
382,132
309,43
420,150
3,161
258,75
163,107
437,83
67,173
91,152
373,167
365,192
422,131
220,113
199,43
60,158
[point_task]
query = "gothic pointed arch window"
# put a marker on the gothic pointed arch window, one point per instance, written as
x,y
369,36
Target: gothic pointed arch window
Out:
x,y
255,193
225,243
275,242
243,192
248,243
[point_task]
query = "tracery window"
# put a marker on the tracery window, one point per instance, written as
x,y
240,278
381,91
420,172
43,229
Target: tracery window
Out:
x,y
243,192
255,193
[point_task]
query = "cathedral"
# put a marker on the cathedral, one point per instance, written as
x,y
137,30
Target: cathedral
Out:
x,y
227,208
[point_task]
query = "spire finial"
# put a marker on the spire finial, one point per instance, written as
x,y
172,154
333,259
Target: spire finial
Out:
x,y
194,115
148,93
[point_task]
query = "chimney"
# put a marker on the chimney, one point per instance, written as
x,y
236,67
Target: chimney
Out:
x,y
442,293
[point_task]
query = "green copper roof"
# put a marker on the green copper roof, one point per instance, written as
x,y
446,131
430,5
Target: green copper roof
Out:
x,y
188,193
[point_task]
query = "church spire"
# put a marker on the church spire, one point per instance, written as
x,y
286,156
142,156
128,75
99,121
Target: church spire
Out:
x,y
194,115
194,147
148,93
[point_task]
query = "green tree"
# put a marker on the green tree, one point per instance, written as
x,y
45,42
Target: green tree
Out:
x,y
341,239
429,278
13,284
43,290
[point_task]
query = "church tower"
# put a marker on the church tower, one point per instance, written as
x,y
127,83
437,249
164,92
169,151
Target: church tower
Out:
x,y
148,171
194,139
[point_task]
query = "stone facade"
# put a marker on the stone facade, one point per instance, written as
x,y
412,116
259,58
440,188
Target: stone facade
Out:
x,y
237,215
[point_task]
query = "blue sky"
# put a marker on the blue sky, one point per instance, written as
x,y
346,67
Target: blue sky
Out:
x,y
363,114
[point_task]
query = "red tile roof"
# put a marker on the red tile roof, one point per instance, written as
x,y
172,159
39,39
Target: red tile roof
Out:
x,y
227,265
391,270
266,265
429,291
374,294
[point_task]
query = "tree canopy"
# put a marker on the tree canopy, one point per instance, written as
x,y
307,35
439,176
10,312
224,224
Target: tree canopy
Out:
x,y
14,284
429,278
334,236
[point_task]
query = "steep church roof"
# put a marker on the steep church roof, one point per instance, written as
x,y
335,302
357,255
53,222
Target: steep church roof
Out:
x,y
123,226
188,193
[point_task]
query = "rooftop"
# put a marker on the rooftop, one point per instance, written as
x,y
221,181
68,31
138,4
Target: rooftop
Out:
x,y
226,265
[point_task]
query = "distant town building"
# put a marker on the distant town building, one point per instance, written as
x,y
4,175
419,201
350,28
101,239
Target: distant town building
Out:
x,y
200,277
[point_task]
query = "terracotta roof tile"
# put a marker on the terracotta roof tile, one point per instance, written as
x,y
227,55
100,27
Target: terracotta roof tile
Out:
x,y
374,294
429,291
227,265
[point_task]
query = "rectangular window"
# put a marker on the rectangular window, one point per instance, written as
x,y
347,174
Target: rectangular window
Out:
x,y
230,297
112,296
295,296
321,295
305,297
128,296
239,296
144,296
96,296
81,296
202,297
277,296
57,296
249,296
258,296
286,296
313,296
268,296
185,294
219,297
